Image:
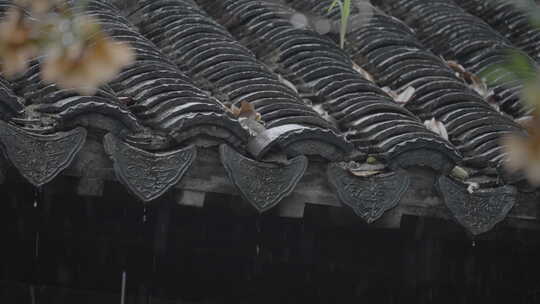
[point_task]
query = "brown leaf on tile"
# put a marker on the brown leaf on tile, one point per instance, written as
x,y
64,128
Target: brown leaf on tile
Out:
x,y
474,82
246,110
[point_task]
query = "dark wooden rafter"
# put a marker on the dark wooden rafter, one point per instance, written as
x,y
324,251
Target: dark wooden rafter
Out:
x,y
422,198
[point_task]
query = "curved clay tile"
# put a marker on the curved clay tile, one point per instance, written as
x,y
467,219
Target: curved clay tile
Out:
x,y
62,108
161,96
457,35
67,105
473,125
222,65
320,70
29,141
11,105
509,20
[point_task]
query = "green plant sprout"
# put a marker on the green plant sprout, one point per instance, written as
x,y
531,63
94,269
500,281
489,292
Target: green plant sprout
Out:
x,y
345,8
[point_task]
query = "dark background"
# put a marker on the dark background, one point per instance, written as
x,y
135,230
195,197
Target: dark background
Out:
x,y
58,247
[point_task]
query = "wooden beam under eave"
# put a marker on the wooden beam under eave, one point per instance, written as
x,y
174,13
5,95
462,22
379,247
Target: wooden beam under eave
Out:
x,y
421,199
190,198
291,208
90,186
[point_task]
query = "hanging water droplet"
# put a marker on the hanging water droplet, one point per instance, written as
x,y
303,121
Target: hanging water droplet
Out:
x,y
36,245
473,243
144,214
37,195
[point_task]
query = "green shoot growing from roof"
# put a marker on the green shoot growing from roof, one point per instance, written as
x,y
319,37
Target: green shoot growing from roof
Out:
x,y
345,8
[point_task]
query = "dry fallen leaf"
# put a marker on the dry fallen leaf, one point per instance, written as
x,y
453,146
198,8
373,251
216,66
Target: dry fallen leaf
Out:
x,y
363,72
437,127
364,173
390,92
248,118
254,127
474,82
491,99
246,110
405,96
472,187
364,169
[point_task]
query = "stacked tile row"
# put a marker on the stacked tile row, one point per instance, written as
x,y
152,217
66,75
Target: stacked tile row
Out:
x,y
509,20
60,105
215,60
364,112
457,35
389,50
160,95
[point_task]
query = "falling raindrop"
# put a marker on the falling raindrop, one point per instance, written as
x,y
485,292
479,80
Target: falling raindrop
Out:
x,y
32,294
38,191
36,245
473,243
257,249
123,288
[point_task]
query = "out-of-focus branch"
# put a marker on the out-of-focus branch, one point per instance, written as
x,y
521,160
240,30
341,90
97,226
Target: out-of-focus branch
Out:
x,y
76,53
